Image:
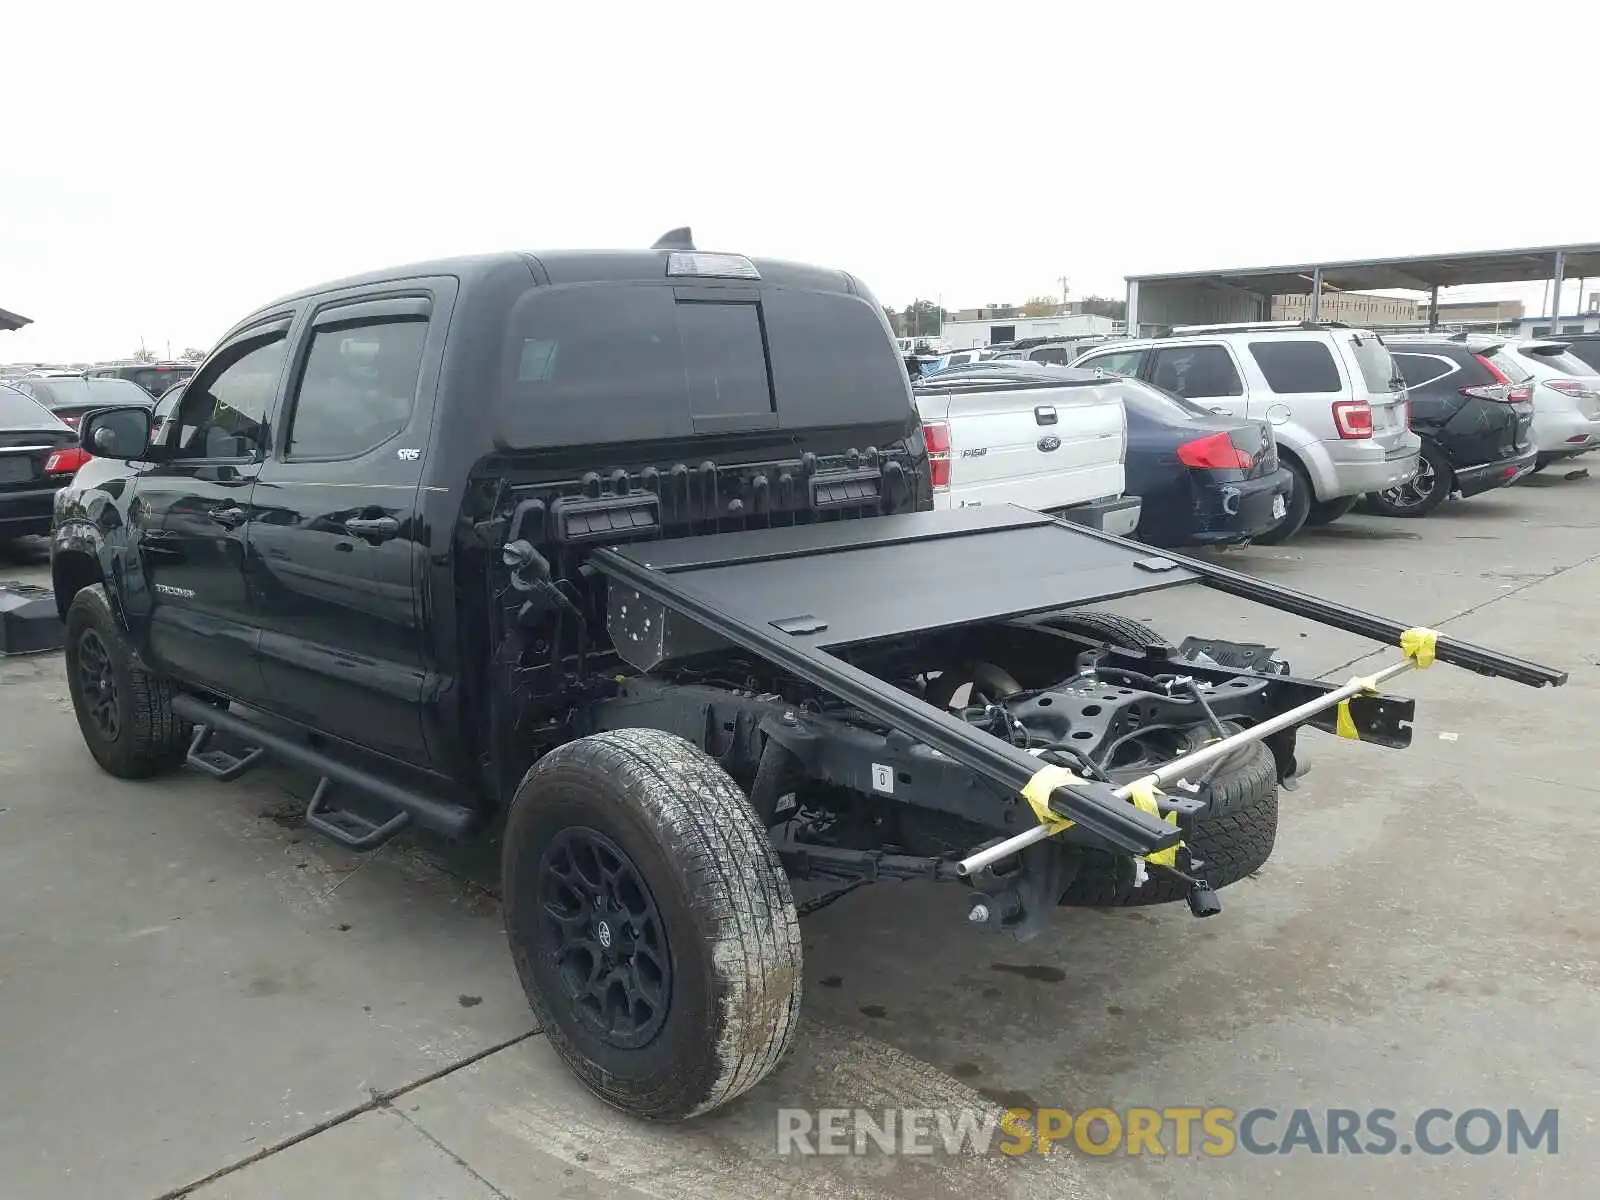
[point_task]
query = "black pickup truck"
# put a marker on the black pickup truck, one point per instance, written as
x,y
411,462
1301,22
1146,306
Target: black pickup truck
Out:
x,y
631,554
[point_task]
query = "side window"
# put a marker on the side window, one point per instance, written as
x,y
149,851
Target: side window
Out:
x,y
1196,372
223,414
358,388
1421,370
1125,362
1301,365
1051,354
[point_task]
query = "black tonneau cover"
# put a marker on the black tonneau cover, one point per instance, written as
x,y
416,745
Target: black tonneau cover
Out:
x,y
844,582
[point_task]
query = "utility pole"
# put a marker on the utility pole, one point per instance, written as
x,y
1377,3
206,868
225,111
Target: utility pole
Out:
x,y
1062,280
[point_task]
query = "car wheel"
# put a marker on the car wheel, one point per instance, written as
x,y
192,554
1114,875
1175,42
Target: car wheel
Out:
x,y
651,923
1329,511
1420,495
1298,509
1231,839
124,709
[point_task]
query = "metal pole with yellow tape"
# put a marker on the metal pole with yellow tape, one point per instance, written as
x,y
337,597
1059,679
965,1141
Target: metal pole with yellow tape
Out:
x,y
1418,645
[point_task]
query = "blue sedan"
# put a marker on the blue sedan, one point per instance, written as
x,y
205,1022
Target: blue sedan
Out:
x,y
1202,478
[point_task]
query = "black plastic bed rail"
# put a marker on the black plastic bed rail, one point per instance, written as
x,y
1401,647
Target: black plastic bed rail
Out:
x,y
1351,620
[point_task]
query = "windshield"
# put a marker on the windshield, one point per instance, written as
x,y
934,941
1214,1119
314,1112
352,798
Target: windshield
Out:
x,y
85,393
1162,405
18,411
1378,371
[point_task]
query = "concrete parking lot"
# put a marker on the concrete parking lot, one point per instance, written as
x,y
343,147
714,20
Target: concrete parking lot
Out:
x,y
197,997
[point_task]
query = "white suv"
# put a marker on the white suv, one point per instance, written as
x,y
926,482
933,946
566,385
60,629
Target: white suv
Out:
x,y
1566,399
1333,394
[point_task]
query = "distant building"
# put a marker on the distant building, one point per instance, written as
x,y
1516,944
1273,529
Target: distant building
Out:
x,y
1470,312
1350,308
964,332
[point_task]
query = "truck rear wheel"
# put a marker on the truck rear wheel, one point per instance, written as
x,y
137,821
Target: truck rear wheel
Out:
x,y
124,709
651,923
1232,838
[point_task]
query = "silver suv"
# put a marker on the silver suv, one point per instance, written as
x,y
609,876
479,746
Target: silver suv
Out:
x,y
1333,394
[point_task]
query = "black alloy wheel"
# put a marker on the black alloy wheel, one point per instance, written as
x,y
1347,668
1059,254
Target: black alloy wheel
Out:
x,y
604,938
99,685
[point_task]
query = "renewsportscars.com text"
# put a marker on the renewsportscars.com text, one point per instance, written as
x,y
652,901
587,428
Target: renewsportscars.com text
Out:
x,y
1159,1132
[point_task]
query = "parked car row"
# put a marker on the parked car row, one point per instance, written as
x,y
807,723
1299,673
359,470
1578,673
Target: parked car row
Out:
x,y
1252,432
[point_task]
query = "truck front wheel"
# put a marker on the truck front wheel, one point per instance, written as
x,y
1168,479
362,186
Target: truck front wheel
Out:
x,y
124,709
651,923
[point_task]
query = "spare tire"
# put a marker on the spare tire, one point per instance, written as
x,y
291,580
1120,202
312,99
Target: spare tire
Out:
x,y
1232,838
1107,627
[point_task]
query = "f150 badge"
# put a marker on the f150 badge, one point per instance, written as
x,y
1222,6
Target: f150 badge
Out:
x,y
1049,442
975,452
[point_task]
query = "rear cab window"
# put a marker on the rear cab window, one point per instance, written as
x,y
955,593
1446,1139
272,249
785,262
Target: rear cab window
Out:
x,y
641,361
1297,365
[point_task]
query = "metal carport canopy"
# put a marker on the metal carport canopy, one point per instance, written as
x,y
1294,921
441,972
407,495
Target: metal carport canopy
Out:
x,y
1422,273
11,320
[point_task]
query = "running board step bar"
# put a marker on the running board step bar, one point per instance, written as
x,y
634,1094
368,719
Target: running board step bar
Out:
x,y
349,828
450,820
217,762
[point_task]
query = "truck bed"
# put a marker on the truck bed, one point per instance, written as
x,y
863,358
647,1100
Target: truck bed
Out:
x,y
800,596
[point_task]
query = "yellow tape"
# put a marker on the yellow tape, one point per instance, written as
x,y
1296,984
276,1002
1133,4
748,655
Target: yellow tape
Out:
x,y
1419,644
1344,724
1143,795
1037,793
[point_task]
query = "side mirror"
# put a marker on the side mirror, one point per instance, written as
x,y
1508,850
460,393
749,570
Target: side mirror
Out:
x,y
116,432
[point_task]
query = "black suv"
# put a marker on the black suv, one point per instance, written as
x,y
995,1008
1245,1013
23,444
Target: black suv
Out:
x,y
1472,406
154,378
1585,346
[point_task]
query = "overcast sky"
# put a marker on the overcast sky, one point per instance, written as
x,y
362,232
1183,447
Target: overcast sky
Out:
x,y
168,167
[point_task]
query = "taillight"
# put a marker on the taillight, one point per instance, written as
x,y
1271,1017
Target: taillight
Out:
x,y
936,435
65,462
1567,387
1352,418
70,420
1213,453
1520,395
1500,393
1499,375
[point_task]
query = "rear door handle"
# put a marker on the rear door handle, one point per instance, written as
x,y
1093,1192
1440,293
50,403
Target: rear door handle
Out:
x,y
375,529
229,517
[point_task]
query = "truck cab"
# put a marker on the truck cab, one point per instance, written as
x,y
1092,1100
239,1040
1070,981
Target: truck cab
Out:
x,y
308,533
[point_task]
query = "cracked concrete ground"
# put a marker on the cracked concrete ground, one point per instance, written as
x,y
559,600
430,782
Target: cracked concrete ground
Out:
x,y
197,997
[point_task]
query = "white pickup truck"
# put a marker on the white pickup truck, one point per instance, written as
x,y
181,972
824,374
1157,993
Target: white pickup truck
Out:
x,y
1047,438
